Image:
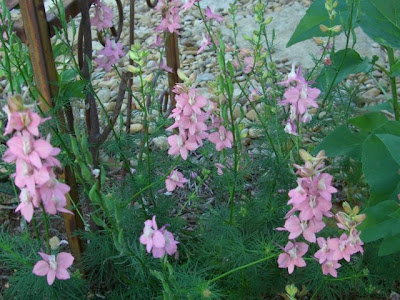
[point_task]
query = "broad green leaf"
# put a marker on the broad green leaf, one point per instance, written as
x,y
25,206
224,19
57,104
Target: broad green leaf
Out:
x,y
380,21
378,224
379,167
396,69
390,245
342,142
370,121
314,17
379,107
343,64
392,144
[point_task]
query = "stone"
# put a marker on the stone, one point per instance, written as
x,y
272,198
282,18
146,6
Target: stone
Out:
x,y
135,128
161,142
104,95
255,133
252,115
205,77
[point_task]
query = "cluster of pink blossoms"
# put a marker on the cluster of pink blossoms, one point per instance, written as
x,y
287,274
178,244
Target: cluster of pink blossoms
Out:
x,y
312,200
35,160
299,97
191,113
158,241
103,16
171,18
109,55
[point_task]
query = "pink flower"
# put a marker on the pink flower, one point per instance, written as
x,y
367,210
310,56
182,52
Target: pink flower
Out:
x,y
296,227
158,42
170,23
28,176
28,202
109,55
157,241
191,102
26,148
330,266
103,16
20,120
164,66
248,61
341,248
189,4
53,195
204,43
222,138
294,76
210,15
324,252
175,179
220,167
194,123
54,267
180,144
293,256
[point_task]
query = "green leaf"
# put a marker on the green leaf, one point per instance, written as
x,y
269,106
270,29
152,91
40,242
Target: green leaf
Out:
x,y
379,167
390,245
314,17
378,224
396,69
392,144
379,107
343,64
342,142
380,21
370,121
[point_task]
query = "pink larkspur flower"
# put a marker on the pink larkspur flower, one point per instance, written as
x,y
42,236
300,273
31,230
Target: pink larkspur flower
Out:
x,y
180,144
54,267
175,179
53,195
210,15
296,227
157,241
109,55
103,16
248,61
191,102
20,120
204,43
32,151
292,257
330,266
221,138
28,202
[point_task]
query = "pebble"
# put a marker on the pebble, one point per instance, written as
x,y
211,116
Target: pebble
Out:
x,y
135,128
252,115
104,95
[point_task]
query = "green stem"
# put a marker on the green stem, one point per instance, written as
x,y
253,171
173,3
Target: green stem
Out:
x,y
242,267
46,227
393,83
350,22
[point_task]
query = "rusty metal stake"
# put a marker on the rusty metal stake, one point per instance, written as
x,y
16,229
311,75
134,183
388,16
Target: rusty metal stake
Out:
x,y
130,82
172,54
38,40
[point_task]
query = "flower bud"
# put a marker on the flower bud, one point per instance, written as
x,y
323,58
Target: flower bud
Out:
x,y
323,28
132,69
15,103
356,210
360,218
291,290
305,155
336,28
149,78
346,207
318,41
182,75
268,20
